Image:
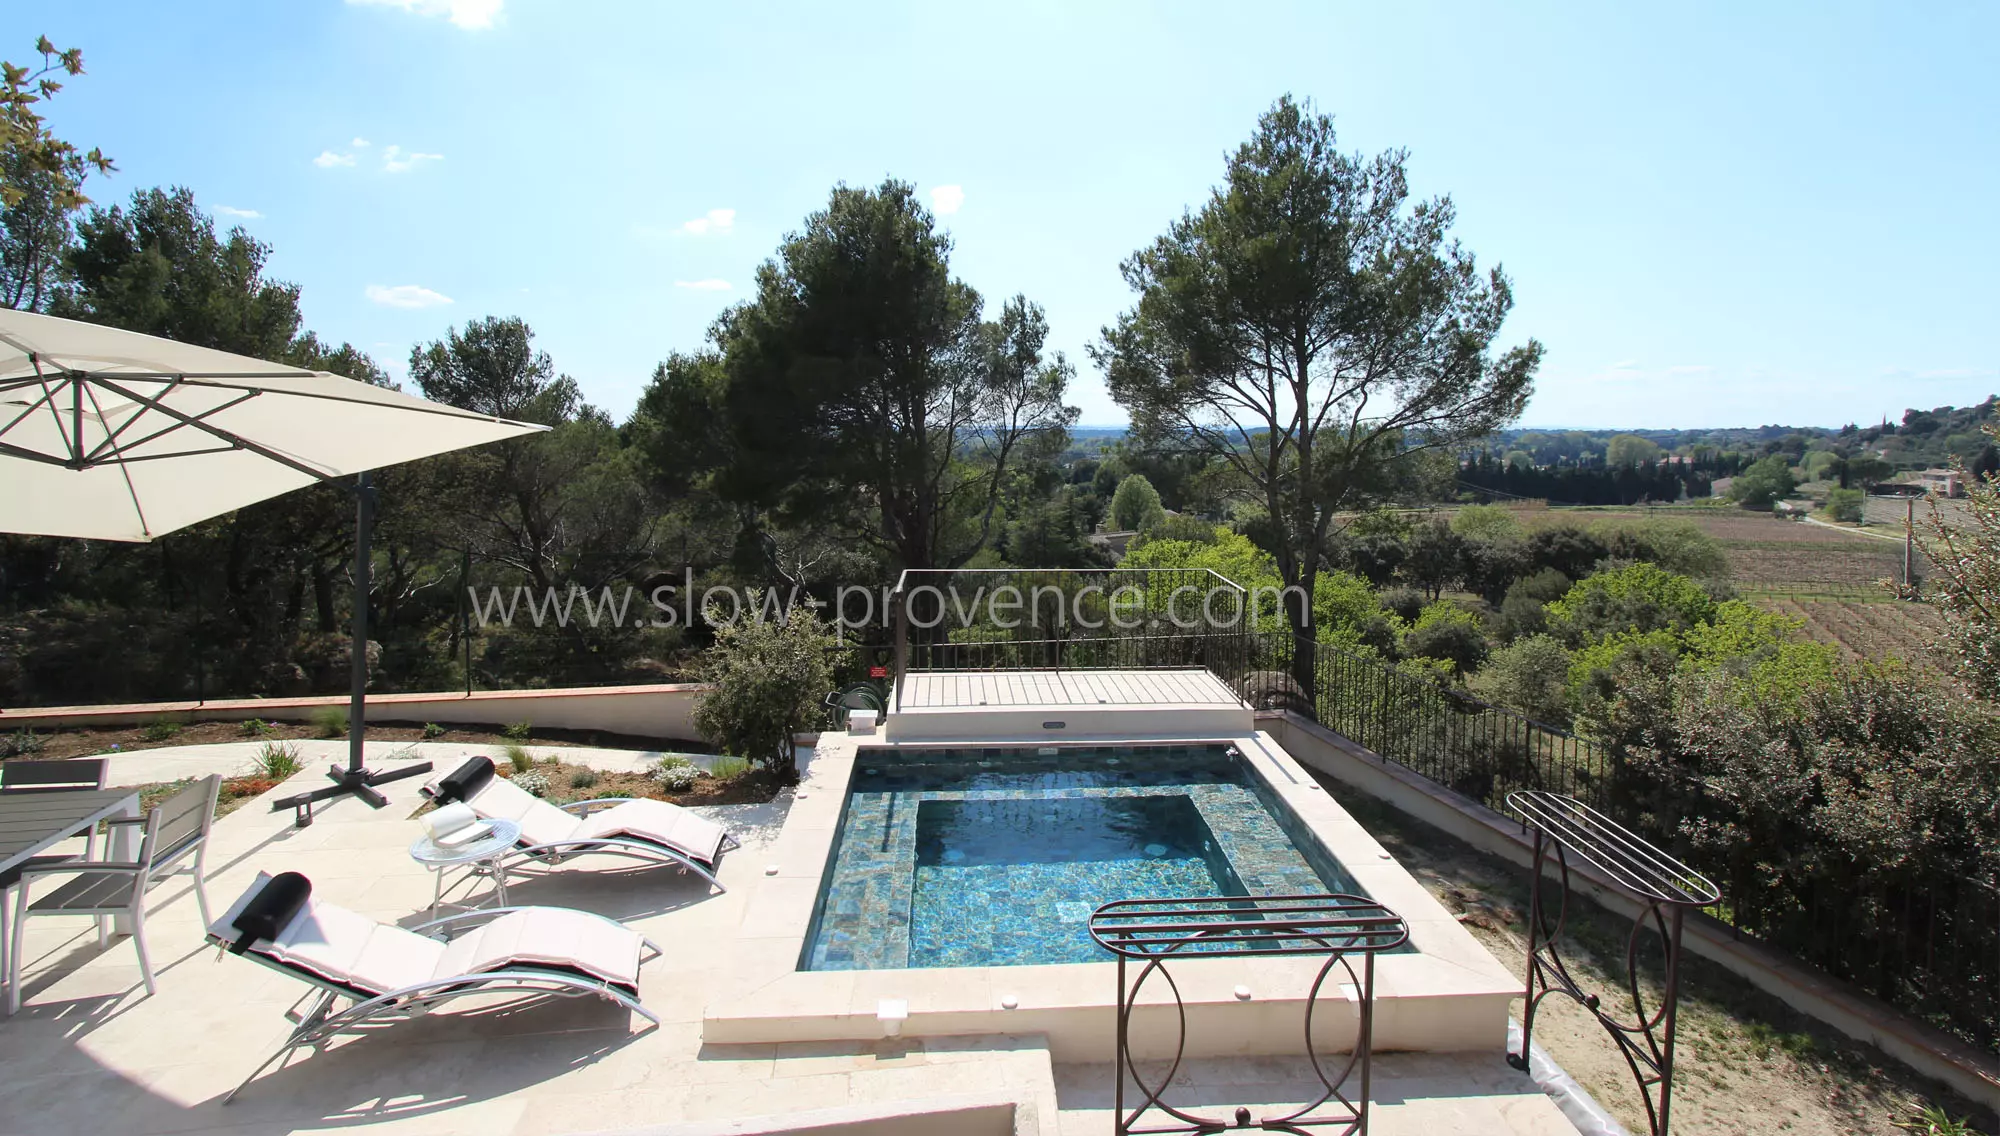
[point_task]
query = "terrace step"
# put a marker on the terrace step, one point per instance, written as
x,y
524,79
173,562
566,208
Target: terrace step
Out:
x,y
1413,1094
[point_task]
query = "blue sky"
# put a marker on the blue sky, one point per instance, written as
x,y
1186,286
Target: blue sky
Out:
x,y
1712,215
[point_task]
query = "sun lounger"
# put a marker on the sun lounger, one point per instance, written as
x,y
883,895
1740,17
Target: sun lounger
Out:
x,y
388,971
655,831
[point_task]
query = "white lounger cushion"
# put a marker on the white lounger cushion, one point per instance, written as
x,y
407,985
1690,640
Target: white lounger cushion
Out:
x,y
552,936
354,950
662,823
341,946
540,821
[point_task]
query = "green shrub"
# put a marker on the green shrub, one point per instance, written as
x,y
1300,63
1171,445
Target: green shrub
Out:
x,y
1932,1120
519,757
1436,557
1636,599
583,779
517,731
1343,599
724,768
330,722
1448,633
1524,610
432,730
1490,567
1529,676
1675,545
1844,505
1136,504
253,727
278,760
675,774
1618,684
21,743
536,783
768,678
1565,548
160,729
1764,484
1486,522
1405,603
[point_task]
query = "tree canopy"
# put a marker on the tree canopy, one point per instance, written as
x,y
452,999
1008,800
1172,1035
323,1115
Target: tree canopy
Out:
x,y
1310,326
861,383
41,178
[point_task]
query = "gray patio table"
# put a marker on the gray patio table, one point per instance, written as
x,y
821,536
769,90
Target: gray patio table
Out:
x,y
32,823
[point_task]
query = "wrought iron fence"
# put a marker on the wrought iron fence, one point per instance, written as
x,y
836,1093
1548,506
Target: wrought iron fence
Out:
x,y
1927,943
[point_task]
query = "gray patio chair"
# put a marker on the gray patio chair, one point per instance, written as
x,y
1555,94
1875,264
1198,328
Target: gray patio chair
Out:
x,y
175,839
388,972
52,776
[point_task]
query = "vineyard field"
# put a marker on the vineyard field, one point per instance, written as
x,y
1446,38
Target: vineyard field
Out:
x,y
1871,631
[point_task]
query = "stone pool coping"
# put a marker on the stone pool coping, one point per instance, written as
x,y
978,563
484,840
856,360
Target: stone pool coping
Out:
x,y
1451,994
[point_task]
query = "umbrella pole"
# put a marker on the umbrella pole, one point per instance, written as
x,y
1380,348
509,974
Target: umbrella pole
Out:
x,y
357,653
355,778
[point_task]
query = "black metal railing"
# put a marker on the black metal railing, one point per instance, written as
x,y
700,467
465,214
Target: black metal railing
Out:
x,y
1926,941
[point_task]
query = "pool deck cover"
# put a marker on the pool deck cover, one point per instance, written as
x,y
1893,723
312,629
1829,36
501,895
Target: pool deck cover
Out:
x,y
996,707
1162,687
92,1053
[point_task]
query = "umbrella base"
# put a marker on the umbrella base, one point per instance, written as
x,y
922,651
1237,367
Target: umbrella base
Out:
x,y
346,780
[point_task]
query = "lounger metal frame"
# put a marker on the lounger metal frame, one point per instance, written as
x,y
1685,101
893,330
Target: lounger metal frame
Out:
x,y
320,1024
632,847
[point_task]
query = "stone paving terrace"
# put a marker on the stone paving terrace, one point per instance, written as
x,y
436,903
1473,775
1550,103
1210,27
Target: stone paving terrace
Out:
x,y
91,1053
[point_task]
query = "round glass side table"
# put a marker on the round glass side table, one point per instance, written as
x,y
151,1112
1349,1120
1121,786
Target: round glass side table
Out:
x,y
481,856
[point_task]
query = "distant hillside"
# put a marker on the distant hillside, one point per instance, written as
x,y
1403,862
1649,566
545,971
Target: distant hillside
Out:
x,y
1932,437
1923,438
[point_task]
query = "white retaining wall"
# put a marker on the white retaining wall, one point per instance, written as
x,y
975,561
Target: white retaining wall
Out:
x,y
663,710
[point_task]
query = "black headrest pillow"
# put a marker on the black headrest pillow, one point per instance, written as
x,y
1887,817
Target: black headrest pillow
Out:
x,y
465,782
271,910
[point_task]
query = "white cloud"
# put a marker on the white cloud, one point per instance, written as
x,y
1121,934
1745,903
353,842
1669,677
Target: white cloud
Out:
x,y
463,13
1625,365
232,211
359,143
394,161
406,296
328,159
947,198
717,221
709,285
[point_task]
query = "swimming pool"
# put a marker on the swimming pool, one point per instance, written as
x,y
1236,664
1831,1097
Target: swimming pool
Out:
x,y
953,857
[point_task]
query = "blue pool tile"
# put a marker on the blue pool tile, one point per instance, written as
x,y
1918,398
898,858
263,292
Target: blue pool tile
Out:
x,y
996,856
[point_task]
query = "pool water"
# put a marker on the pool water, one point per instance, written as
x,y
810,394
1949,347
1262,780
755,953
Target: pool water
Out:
x,y
994,857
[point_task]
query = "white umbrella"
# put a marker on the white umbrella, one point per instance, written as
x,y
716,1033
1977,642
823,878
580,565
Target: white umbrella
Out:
x,y
114,435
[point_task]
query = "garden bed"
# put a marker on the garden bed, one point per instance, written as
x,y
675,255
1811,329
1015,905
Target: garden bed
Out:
x,y
570,782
